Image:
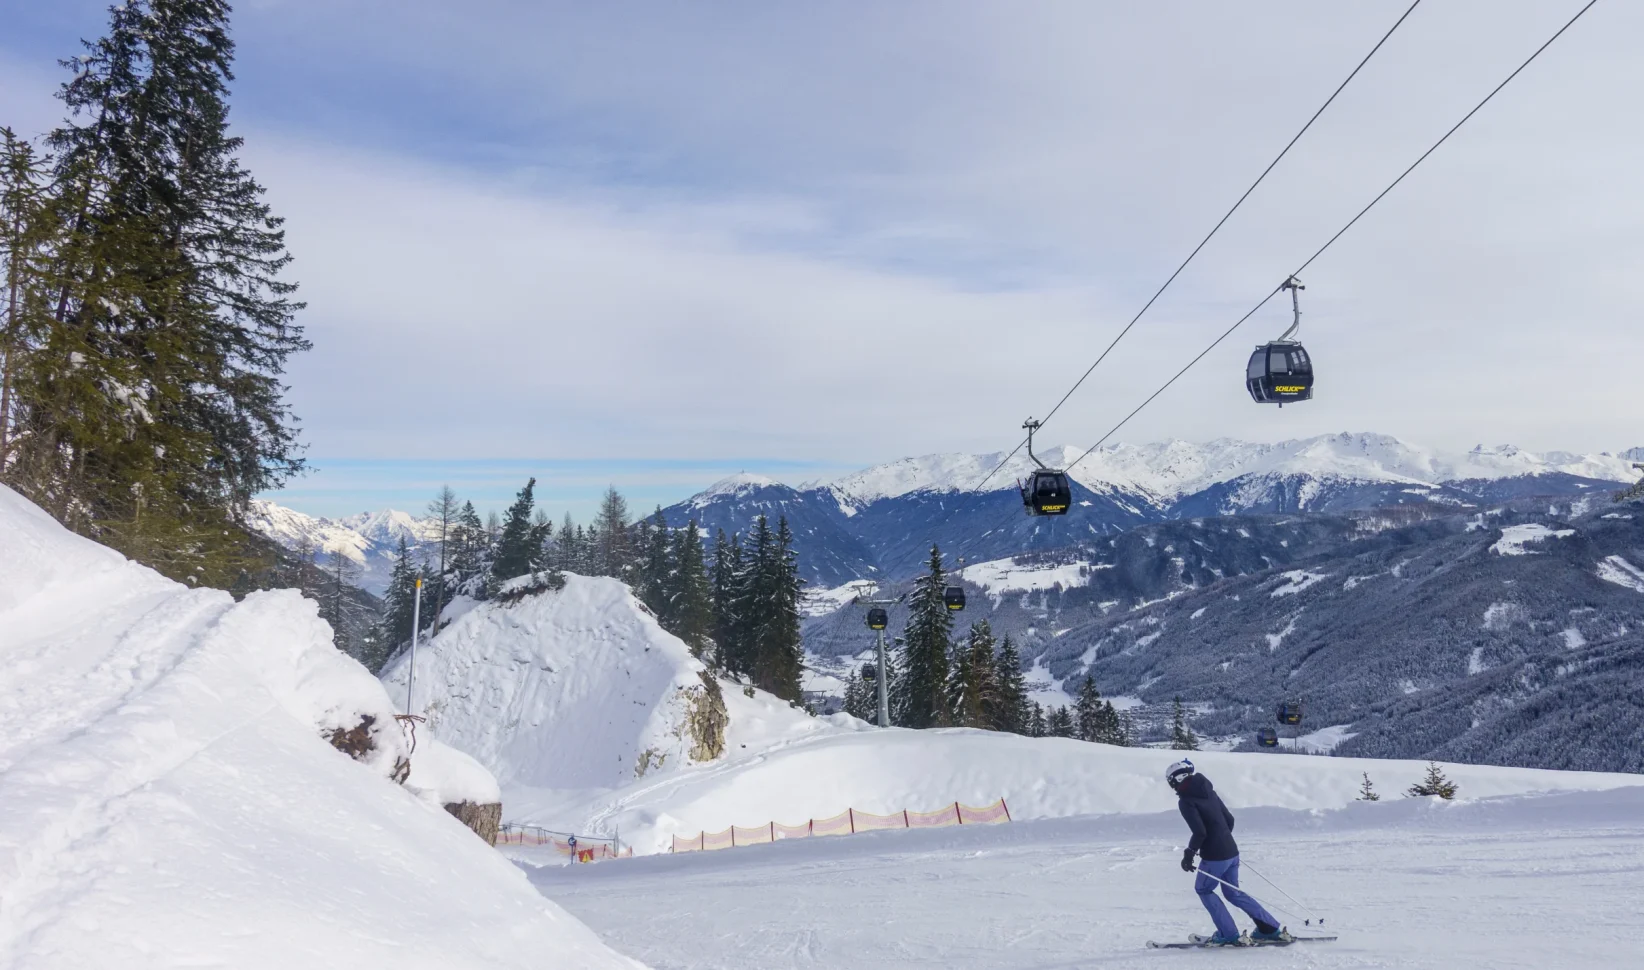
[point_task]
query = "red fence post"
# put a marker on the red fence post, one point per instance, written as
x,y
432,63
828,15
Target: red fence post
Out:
x,y
703,844
905,823
958,814
773,830
733,835
1006,807
810,827
852,812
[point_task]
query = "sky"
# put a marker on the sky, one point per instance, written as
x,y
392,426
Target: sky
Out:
x,y
653,244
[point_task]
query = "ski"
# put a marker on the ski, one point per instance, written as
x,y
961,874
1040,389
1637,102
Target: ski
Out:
x,y
1197,942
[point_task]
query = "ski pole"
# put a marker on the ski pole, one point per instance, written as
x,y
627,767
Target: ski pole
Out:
x,y
1281,892
1305,920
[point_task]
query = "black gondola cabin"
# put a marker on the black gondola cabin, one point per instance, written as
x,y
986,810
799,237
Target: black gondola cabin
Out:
x,y
878,619
1290,713
1047,492
1280,373
953,597
1267,738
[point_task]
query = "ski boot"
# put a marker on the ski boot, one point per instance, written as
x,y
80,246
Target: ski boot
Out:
x,y
1276,935
1220,940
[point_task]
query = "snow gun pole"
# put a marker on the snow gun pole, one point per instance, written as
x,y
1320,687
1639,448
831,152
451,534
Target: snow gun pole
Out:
x,y
416,621
1306,920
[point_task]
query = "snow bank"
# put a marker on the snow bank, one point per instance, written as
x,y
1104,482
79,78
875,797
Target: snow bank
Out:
x,y
1515,537
887,771
577,688
445,776
169,798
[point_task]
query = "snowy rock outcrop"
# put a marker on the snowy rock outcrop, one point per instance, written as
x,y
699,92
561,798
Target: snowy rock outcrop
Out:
x,y
446,777
170,795
576,688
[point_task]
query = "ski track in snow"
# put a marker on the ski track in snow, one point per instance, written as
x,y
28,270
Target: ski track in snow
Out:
x,y
1406,883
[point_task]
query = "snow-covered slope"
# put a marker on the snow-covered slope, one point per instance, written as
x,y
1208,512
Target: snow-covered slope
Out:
x,y
577,688
886,771
169,799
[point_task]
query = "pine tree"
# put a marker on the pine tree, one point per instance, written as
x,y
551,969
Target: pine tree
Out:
x,y
1367,791
691,593
470,549
862,693
1036,726
654,581
1435,783
399,600
1011,711
723,579
920,697
1181,736
774,652
1060,724
341,573
1111,728
443,511
30,232
159,408
613,549
974,687
1087,712
519,547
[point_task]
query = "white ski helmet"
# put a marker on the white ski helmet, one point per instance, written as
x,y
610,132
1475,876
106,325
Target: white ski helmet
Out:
x,y
1178,772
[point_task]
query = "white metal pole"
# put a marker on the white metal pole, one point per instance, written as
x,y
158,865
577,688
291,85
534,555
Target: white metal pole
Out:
x,y
416,621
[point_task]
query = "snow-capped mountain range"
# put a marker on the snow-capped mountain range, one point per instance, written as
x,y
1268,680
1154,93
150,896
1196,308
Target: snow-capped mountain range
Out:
x,y
881,519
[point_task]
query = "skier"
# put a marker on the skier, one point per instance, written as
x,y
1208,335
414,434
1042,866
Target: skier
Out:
x,y
1212,840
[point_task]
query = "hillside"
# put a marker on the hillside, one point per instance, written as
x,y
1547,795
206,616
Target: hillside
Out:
x,y
171,796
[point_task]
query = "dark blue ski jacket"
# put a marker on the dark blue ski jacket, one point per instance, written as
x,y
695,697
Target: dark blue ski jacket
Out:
x,y
1211,822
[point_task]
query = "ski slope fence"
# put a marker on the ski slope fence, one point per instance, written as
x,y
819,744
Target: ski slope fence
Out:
x,y
585,849
848,822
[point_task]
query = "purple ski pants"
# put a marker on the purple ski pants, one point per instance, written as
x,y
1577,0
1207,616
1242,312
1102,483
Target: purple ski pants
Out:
x,y
1228,871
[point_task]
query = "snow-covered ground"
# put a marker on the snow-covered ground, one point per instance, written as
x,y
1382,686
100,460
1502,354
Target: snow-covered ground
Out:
x,y
167,798
1001,577
1508,883
821,602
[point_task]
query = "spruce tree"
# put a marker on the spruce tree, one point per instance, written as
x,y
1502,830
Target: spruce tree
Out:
x,y
519,546
160,408
974,686
470,549
773,652
612,524
1060,724
654,581
862,693
443,512
1036,726
1181,736
727,563
920,698
1434,783
30,233
1087,711
1011,711
691,593
1367,791
399,600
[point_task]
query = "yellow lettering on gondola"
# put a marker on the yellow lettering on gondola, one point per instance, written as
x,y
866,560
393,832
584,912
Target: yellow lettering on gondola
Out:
x,y
1051,508
1289,390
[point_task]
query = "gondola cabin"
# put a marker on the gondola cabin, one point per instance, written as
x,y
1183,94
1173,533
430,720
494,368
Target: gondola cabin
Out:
x,y
1280,373
870,672
878,619
1290,713
1267,738
953,597
1047,492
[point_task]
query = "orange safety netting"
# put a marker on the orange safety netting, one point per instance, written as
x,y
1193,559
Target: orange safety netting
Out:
x,y
582,851
847,822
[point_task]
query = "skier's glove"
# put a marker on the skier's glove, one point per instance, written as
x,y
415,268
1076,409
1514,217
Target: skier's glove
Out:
x,y
1187,861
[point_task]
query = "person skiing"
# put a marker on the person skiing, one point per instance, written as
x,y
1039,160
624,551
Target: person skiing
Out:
x,y
1212,841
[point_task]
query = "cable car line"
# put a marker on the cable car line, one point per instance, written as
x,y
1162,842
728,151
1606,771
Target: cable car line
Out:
x,y
1229,214
1340,232
1202,243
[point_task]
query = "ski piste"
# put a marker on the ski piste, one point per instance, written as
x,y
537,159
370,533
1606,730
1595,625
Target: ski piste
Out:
x,y
1198,942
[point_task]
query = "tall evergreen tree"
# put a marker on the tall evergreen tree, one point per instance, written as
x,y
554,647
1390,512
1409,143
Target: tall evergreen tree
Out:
x,y
723,579
920,695
1060,723
470,549
1087,711
654,580
1181,736
519,547
157,409
861,694
772,652
30,234
1037,727
442,511
691,592
614,554
974,688
1011,712
399,600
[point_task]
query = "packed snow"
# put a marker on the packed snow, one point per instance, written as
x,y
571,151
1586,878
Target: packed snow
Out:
x,y
1295,581
1510,883
1515,537
170,800
822,602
